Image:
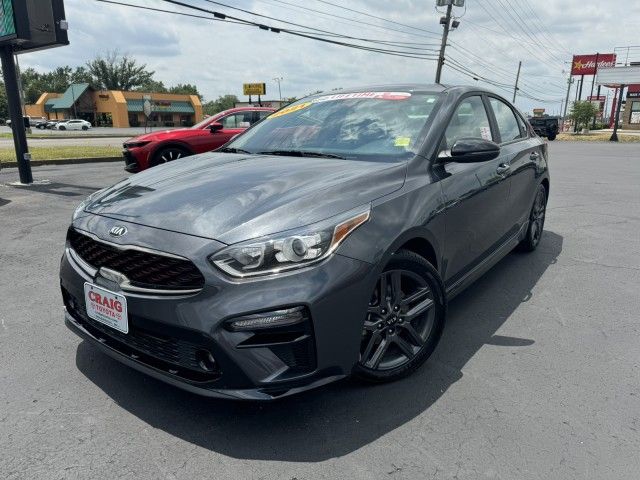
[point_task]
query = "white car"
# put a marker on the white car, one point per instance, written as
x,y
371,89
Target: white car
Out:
x,y
74,124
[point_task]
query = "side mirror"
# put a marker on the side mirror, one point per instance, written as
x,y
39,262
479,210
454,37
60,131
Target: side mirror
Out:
x,y
471,150
215,127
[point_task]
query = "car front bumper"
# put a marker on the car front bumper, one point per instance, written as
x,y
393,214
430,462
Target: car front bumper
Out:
x,y
130,161
166,330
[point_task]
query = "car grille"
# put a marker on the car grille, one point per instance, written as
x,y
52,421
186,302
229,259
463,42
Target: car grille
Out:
x,y
173,355
143,269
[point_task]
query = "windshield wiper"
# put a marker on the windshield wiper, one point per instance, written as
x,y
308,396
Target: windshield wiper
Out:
x,y
232,150
300,153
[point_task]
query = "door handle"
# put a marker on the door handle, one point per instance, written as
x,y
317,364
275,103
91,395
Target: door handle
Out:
x,y
534,156
503,168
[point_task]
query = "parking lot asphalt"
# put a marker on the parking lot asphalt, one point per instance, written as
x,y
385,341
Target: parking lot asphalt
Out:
x,y
537,375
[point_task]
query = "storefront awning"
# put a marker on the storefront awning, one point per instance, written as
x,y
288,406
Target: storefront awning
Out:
x,y
136,106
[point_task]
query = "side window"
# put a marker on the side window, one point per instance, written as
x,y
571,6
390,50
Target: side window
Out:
x,y
506,119
237,120
469,120
262,114
523,126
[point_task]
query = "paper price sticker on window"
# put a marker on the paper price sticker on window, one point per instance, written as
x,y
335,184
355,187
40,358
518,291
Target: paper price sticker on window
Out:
x,y
402,141
485,133
291,109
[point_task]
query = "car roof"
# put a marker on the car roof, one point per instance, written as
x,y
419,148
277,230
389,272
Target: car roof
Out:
x,y
410,87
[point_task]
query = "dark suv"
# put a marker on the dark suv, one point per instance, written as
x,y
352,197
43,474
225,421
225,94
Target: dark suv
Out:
x,y
545,126
326,240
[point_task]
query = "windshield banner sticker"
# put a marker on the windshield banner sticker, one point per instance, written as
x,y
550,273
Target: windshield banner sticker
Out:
x,y
291,109
364,95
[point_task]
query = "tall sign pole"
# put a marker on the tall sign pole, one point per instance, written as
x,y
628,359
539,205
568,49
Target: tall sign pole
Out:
x,y
15,113
614,135
445,35
26,26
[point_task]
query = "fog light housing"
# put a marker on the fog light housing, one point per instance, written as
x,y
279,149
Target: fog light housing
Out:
x,y
264,320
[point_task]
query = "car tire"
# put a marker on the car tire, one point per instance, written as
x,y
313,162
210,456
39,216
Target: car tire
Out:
x,y
536,221
84,127
62,128
401,330
168,154
552,137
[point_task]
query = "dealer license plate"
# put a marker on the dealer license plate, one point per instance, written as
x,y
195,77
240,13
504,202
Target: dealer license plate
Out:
x,y
106,307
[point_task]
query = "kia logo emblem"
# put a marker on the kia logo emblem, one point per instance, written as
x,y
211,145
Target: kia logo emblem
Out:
x,y
117,231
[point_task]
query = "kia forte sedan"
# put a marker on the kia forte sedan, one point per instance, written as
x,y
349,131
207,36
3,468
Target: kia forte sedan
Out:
x,y
323,242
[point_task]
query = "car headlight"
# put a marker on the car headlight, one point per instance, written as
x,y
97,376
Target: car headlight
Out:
x,y
289,250
136,144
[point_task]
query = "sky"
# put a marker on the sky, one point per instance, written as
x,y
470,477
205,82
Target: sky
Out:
x,y
218,56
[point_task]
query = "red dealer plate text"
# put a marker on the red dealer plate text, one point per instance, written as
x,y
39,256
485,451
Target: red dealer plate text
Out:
x,y
106,307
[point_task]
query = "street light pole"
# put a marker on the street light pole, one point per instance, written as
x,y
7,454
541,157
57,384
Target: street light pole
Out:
x,y
279,79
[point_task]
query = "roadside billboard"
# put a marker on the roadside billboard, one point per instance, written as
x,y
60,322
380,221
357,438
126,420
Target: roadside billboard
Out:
x,y
254,88
586,64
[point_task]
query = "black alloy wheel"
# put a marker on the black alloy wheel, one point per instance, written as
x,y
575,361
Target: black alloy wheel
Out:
x,y
404,321
169,154
536,221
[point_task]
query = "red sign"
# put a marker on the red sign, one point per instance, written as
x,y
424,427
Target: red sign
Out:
x,y
586,64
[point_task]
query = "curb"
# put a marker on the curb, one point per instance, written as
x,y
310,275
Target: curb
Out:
x,y
65,161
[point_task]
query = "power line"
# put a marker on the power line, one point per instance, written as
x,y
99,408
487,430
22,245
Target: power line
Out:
x,y
494,68
237,20
544,29
526,29
379,18
314,29
353,20
169,11
518,39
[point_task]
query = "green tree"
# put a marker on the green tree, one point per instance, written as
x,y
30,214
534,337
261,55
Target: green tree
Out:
x,y
118,72
186,89
582,113
4,108
224,102
35,83
152,86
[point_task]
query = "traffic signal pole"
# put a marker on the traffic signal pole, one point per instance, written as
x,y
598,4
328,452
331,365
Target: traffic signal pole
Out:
x,y
443,46
15,113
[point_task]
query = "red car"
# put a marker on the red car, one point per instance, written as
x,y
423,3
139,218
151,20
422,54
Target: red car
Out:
x,y
163,146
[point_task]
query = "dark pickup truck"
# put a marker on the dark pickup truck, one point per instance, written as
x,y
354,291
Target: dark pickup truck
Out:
x,y
545,126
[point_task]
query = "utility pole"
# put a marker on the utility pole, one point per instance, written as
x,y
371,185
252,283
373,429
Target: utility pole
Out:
x,y
515,89
446,21
566,101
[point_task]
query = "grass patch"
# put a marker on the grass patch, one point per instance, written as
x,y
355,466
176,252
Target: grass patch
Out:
x,y
62,152
597,137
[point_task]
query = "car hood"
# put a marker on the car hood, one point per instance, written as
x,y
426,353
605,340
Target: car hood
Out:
x,y
163,134
234,197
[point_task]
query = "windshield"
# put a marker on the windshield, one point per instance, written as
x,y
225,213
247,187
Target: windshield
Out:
x,y
375,125
203,123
